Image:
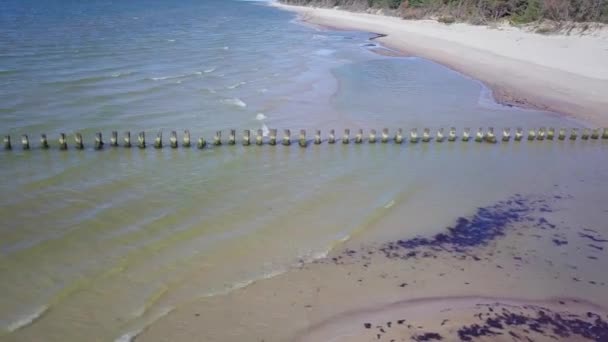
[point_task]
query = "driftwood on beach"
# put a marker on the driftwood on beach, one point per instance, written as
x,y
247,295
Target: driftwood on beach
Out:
x,y
481,136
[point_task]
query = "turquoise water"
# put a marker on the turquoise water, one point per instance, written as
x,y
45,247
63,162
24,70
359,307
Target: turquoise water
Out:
x,y
101,244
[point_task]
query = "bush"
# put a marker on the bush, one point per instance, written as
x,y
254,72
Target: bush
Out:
x,y
446,19
480,11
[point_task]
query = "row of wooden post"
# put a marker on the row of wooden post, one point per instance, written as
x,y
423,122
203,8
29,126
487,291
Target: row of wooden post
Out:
x,y
480,136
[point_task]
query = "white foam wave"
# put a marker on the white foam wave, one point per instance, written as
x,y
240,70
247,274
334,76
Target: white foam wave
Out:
x,y
234,86
27,319
324,52
132,335
265,130
235,102
162,78
119,74
170,40
389,204
260,116
226,48
129,337
171,77
210,70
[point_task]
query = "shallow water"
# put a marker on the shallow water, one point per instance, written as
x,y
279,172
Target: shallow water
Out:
x,y
103,243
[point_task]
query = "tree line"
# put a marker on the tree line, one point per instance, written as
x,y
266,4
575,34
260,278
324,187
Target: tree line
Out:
x,y
479,11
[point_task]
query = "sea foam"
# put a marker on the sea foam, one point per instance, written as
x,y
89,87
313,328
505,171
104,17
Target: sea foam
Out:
x,y
235,102
27,319
260,117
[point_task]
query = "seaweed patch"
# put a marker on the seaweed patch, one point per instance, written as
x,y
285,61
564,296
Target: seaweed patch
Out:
x,y
485,225
541,321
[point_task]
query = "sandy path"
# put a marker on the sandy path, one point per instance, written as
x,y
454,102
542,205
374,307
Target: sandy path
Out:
x,y
560,73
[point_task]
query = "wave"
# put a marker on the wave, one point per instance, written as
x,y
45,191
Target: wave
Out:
x,y
170,77
324,52
265,130
132,335
260,117
210,70
234,86
120,74
235,102
162,78
27,319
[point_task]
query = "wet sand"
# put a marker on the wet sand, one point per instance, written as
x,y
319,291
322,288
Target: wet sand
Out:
x,y
560,73
523,267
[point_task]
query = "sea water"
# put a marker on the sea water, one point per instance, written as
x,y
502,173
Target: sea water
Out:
x,y
97,245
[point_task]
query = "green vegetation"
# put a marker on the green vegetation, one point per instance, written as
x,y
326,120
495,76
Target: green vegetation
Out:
x,y
479,11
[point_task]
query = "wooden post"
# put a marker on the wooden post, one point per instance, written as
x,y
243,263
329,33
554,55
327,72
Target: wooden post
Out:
x,y
63,144
141,140
246,137
490,137
550,133
217,139
173,139
541,134
414,135
506,134
595,134
98,141
158,142
78,141
399,136
7,142
585,134
439,136
466,134
201,143
272,139
426,135
318,137
286,137
452,134
232,137
186,140
531,134
573,133
519,133
25,142
605,133
346,136
384,138
114,139
479,135
127,139
302,140
359,136
562,134
332,137
372,136
259,138
44,143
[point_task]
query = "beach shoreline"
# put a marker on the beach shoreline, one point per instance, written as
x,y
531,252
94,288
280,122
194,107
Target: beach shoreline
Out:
x,y
557,73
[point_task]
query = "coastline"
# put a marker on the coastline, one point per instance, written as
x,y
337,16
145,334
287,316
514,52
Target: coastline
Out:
x,y
456,285
557,73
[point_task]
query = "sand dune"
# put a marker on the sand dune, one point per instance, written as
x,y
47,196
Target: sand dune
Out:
x,y
561,73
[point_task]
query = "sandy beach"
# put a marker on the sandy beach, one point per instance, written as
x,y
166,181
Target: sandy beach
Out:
x,y
561,73
522,267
